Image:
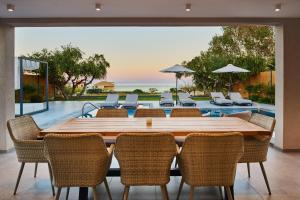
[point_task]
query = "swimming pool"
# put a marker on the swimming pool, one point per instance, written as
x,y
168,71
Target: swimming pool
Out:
x,y
206,112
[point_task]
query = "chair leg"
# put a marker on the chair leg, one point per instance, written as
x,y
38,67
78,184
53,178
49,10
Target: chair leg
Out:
x,y
265,176
191,195
58,193
51,179
164,192
68,191
176,163
107,189
95,193
248,168
35,169
126,192
19,177
180,188
228,192
221,192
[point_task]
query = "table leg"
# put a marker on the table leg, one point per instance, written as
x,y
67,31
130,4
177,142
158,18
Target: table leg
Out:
x,y
83,193
232,192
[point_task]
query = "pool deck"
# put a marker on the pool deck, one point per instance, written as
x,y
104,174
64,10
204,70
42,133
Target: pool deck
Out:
x,y
60,111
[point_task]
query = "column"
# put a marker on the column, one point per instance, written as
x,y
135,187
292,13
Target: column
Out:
x,y
287,96
7,88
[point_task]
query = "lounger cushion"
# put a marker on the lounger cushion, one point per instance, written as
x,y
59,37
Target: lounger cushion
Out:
x,y
187,101
220,101
242,101
109,104
130,104
166,101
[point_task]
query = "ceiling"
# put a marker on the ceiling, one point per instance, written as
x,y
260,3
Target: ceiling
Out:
x,y
150,8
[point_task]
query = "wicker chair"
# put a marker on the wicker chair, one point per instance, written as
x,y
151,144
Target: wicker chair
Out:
x,y
246,115
78,160
209,160
145,159
186,112
24,134
152,112
112,112
256,148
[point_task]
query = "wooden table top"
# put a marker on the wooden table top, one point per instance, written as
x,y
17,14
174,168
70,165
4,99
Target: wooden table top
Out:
x,y
111,127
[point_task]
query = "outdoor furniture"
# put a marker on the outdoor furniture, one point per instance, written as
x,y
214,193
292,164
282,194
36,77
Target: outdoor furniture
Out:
x,y
245,115
237,99
151,112
131,101
219,99
256,147
186,112
111,101
185,99
180,127
209,160
166,99
145,159
111,112
24,133
80,160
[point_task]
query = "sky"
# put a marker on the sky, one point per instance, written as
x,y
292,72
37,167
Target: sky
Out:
x,y
135,54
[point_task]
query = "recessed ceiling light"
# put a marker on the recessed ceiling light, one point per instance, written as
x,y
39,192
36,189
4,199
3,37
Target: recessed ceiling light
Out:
x,y
98,6
188,7
277,7
10,7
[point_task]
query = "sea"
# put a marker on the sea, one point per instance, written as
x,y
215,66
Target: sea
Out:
x,y
129,87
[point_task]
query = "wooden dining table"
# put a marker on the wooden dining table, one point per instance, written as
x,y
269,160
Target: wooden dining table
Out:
x,y
110,128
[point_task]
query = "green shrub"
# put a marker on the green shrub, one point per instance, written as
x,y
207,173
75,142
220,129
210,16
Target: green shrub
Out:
x,y
94,91
36,99
29,89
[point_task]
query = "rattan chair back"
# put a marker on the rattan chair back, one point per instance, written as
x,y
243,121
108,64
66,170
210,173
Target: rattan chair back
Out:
x,y
151,112
246,115
256,148
263,121
145,158
186,112
23,128
112,112
23,132
77,160
210,159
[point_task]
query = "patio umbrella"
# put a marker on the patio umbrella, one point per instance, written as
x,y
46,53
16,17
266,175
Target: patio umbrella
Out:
x,y
231,69
178,70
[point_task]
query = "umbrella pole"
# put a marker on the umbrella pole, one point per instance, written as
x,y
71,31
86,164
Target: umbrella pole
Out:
x,y
176,89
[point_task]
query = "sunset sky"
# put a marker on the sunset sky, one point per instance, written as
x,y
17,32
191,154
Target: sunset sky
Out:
x,y
135,54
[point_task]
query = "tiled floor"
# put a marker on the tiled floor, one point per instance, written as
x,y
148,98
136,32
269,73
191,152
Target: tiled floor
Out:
x,y
282,169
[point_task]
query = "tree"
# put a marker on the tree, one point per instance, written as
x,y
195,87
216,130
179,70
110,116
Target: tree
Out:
x,y
67,66
251,47
153,90
95,67
138,91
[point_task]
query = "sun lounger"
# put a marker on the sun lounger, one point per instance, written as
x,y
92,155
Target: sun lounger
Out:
x,y
237,99
131,101
166,99
185,99
111,101
219,99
